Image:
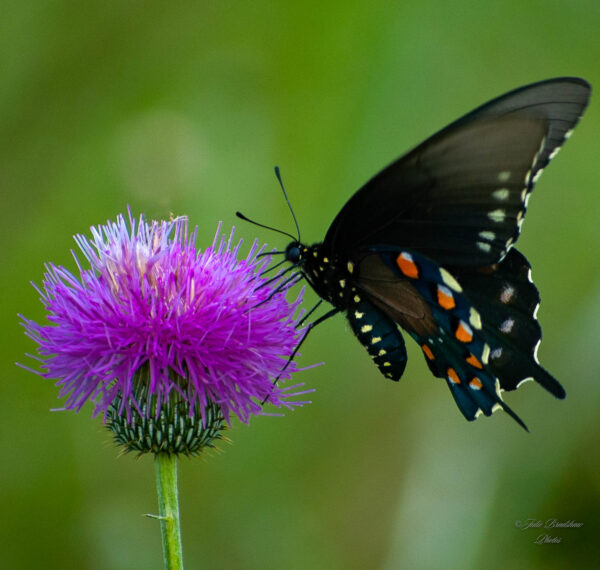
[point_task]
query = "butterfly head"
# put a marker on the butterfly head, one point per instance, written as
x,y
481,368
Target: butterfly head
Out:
x,y
294,252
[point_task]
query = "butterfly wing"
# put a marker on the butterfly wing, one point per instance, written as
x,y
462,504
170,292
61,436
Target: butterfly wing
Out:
x,y
479,334
508,301
459,198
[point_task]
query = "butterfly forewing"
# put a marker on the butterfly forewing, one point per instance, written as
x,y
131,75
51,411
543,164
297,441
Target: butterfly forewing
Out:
x,y
460,196
560,102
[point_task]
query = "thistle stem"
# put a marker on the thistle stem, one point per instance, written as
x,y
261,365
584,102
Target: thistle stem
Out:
x,y
168,509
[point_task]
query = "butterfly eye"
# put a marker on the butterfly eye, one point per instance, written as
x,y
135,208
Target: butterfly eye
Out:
x,y
292,253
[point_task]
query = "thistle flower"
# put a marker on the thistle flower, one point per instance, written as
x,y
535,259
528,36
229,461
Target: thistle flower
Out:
x,y
165,340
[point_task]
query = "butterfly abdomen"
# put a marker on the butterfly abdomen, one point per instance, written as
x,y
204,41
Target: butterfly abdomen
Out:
x,y
379,335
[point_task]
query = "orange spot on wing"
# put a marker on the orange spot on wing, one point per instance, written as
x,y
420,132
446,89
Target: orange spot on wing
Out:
x,y
476,383
407,266
445,301
453,376
464,333
428,352
472,360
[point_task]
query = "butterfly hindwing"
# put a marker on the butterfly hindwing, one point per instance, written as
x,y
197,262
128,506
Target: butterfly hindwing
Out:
x,y
456,349
475,388
508,300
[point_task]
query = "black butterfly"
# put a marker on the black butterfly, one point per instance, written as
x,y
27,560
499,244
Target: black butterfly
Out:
x,y
427,244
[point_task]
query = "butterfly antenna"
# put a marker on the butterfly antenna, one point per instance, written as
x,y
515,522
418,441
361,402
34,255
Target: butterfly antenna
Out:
x,y
246,219
278,174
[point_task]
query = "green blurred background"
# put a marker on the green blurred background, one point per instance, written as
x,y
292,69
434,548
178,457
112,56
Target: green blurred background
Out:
x,y
185,107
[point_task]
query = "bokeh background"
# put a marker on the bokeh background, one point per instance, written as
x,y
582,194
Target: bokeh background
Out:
x,y
185,107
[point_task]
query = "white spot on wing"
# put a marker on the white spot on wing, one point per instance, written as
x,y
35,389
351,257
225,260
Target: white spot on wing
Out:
x,y
535,351
483,246
498,389
501,194
503,176
507,325
496,353
487,235
520,218
507,293
474,318
444,290
450,281
485,355
497,215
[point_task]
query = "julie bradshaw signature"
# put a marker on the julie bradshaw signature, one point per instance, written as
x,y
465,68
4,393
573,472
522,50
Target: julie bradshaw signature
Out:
x,y
546,538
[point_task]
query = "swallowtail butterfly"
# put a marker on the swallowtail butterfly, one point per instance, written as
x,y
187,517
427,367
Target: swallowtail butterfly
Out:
x,y
427,246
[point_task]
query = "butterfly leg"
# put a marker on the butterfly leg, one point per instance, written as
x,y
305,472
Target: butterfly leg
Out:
x,y
284,286
309,328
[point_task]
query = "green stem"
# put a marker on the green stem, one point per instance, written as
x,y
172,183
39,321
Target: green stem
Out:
x,y
168,509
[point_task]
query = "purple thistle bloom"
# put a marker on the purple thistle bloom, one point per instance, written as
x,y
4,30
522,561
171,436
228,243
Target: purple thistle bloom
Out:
x,y
153,309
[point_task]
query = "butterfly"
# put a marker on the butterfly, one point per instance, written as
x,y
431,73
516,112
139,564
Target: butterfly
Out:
x,y
427,247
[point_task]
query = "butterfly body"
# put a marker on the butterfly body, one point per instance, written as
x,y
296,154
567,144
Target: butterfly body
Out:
x,y
337,283
427,246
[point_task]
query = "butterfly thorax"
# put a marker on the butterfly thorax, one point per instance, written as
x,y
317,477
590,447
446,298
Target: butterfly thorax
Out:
x,y
329,277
